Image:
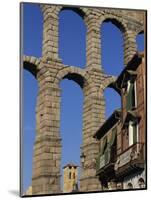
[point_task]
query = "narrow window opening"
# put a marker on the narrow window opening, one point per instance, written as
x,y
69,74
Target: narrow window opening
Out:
x,y
129,186
132,133
141,183
69,175
73,175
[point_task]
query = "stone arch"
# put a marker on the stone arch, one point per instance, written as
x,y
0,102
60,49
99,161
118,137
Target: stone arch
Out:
x,y
129,185
128,33
141,183
69,40
31,63
108,82
114,48
79,11
73,73
112,100
140,31
115,20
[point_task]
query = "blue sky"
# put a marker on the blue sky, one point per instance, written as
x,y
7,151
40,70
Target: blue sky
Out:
x,y
72,45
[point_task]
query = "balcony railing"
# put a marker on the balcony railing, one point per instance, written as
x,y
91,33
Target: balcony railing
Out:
x,y
106,158
133,153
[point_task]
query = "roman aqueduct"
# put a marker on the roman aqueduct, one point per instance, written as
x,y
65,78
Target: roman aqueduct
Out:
x,y
49,71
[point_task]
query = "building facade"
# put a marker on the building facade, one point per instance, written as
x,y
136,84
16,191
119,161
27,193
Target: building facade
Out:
x,y
122,158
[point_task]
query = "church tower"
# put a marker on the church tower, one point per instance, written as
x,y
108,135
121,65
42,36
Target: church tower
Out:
x,y
70,178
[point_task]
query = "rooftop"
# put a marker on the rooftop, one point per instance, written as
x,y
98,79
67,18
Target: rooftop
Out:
x,y
70,165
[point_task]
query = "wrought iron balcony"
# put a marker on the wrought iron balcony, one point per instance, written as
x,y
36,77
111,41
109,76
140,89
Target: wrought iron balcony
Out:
x,y
105,162
131,159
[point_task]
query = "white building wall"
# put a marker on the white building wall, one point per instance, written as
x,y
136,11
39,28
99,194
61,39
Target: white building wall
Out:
x,y
134,180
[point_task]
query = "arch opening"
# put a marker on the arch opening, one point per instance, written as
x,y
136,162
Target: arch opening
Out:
x,y
116,23
76,10
31,68
76,78
112,46
112,101
33,29
71,123
29,126
72,37
141,183
140,40
74,74
130,186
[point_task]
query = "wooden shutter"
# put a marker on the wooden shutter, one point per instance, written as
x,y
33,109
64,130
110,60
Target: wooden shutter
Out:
x,y
113,137
134,133
129,97
104,142
107,154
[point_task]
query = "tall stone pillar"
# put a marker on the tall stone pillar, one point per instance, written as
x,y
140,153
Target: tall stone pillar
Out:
x,y
93,116
93,46
50,31
47,147
130,46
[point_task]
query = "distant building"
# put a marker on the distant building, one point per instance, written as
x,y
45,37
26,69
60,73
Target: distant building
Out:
x,y
121,161
70,178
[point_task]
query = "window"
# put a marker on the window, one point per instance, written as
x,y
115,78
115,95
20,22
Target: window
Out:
x,y
113,142
132,133
131,95
103,145
113,138
141,183
129,186
73,175
128,86
69,175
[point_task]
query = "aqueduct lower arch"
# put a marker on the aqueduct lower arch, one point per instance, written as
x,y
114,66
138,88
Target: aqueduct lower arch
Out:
x,y
48,71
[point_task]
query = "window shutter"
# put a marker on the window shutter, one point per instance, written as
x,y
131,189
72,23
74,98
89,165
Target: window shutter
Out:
x,y
114,133
103,145
107,154
130,97
134,133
